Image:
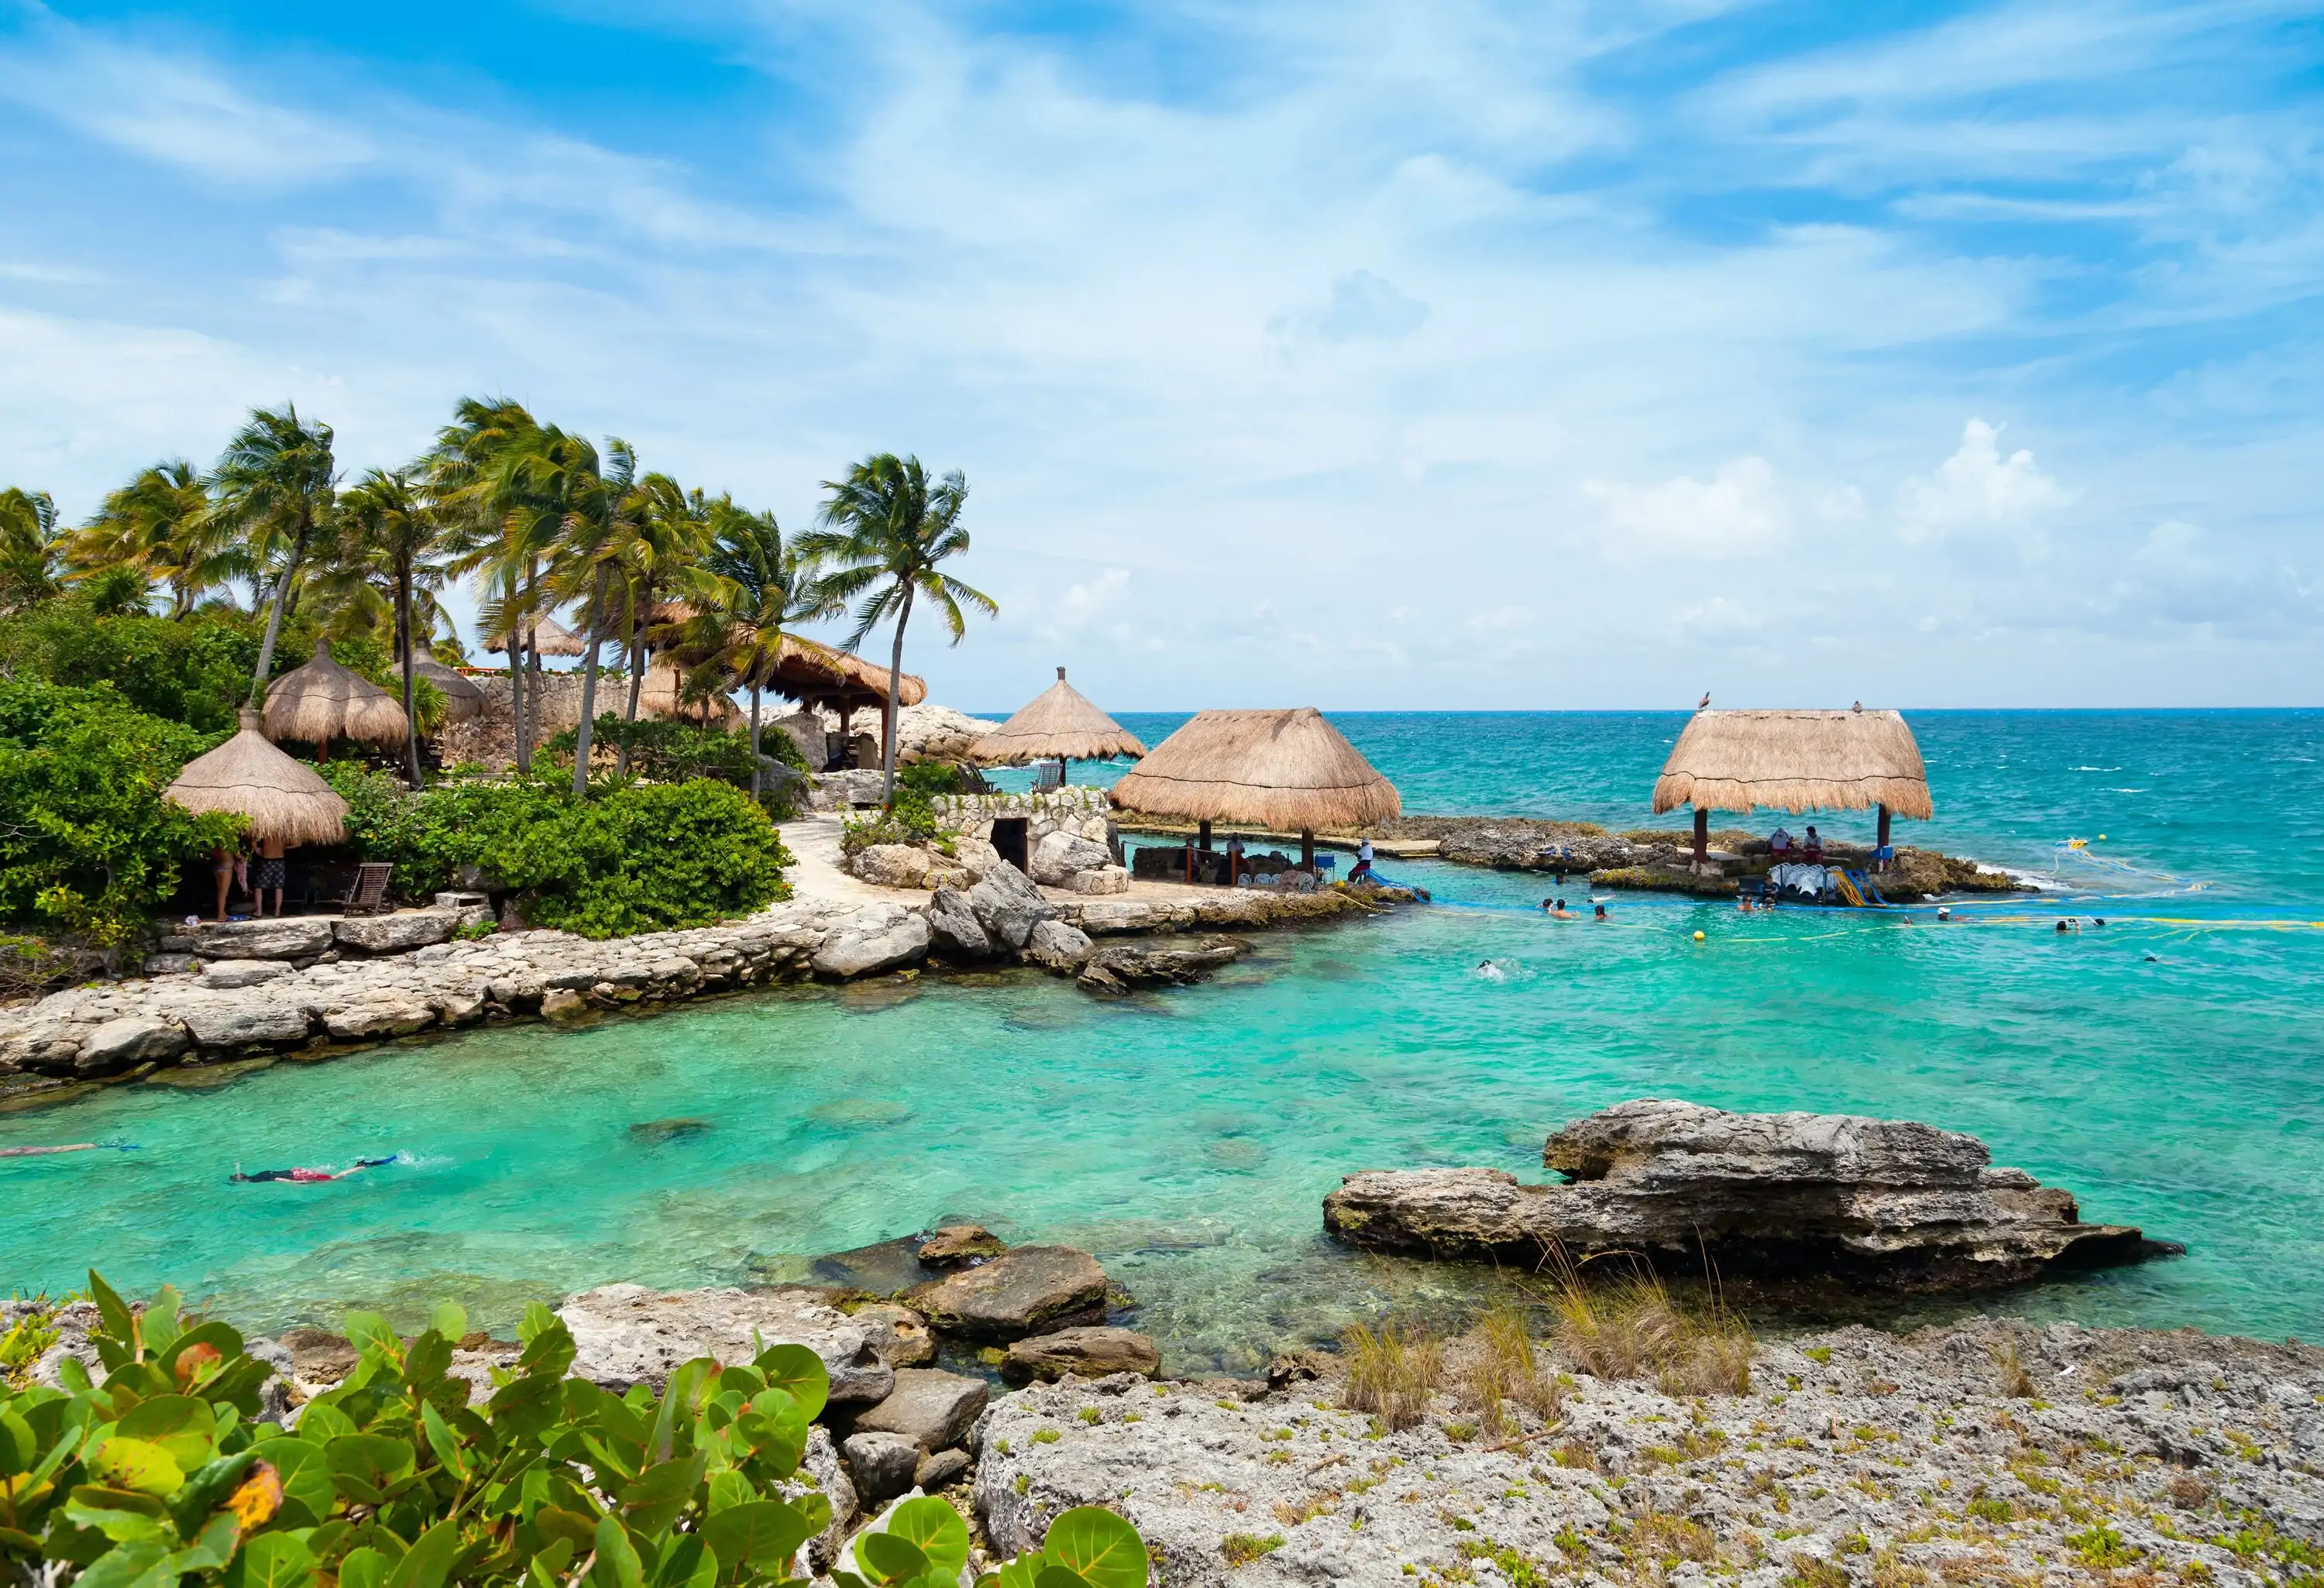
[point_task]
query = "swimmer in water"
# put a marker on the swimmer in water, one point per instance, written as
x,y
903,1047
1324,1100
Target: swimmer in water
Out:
x,y
1600,914
1561,912
308,1177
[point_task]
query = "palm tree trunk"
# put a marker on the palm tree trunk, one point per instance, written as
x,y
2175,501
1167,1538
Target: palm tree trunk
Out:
x,y
637,683
411,716
754,743
516,694
895,682
589,689
274,618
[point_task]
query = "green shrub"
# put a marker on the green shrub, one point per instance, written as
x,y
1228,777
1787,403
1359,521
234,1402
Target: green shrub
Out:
x,y
196,672
638,857
930,779
401,1478
87,844
669,751
909,819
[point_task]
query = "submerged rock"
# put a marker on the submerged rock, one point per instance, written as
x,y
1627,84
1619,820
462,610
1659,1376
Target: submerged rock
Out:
x,y
959,1246
1029,1291
1787,1195
1121,969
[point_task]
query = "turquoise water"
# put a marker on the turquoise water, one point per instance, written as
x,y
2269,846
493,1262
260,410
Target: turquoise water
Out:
x,y
1188,1137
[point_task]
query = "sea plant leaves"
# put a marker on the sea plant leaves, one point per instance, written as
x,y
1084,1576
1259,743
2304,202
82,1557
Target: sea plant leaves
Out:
x,y
1098,1545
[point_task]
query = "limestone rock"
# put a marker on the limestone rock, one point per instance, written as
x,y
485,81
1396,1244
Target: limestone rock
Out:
x,y
400,933
265,938
1031,1290
244,1022
1062,856
626,1334
821,1473
952,926
881,1464
229,975
891,865
1102,879
1056,946
975,856
1791,1195
900,1336
381,1015
940,1468
130,1040
563,1003
932,1408
878,945
171,965
1084,1353
1008,905
1119,970
960,1246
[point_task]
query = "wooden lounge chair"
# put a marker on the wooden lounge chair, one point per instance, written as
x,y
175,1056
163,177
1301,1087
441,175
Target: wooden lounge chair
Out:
x,y
367,895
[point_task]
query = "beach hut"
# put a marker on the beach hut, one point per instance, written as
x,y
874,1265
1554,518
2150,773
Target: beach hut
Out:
x,y
817,675
550,637
660,696
323,701
462,699
1793,761
1286,770
287,804
1062,724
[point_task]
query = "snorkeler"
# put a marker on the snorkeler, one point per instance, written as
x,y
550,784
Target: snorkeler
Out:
x,y
309,1177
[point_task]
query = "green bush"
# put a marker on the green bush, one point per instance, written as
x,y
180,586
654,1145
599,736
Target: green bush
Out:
x,y
638,857
675,752
86,843
928,779
196,672
401,1478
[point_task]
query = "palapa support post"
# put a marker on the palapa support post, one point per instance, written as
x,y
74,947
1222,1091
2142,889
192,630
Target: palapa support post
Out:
x,y
847,740
1202,837
1306,849
1884,827
1701,836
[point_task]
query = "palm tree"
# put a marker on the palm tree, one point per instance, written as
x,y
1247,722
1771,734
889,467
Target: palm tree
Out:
x,y
465,469
886,530
764,586
28,547
582,507
661,558
275,483
389,529
162,523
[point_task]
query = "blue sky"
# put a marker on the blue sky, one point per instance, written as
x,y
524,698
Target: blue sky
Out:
x,y
1451,356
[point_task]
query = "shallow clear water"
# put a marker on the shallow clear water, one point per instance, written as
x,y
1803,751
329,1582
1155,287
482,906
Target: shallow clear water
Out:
x,y
1188,1137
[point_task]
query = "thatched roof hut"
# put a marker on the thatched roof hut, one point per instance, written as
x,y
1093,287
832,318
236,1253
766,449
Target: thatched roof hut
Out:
x,y
462,698
659,695
816,674
1795,761
283,800
1062,724
323,701
1289,771
553,638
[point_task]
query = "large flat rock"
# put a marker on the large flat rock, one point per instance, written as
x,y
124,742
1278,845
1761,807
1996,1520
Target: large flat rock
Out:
x,y
266,937
1082,1354
626,1334
931,1407
1031,1290
1792,1196
404,931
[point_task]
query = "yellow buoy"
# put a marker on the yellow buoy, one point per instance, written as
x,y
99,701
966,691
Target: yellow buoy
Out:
x,y
2102,837
1698,937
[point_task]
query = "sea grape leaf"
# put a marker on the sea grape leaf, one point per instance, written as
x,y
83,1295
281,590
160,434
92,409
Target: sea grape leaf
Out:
x,y
617,1565
799,1372
430,1559
424,1363
689,1564
17,1444
652,1502
367,1567
1098,1546
757,1532
305,1472
369,1332
450,1319
1056,1576
182,1425
135,1464
935,1529
272,1560
892,1559
364,1466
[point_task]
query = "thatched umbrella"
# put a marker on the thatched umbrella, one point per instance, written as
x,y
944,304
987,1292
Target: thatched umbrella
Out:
x,y
1793,761
548,637
1063,724
284,800
323,701
462,699
1288,770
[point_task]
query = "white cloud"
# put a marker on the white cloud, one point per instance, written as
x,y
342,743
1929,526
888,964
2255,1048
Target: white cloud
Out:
x,y
1742,510
1977,491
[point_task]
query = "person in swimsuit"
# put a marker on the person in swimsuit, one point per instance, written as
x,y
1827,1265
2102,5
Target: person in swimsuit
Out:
x,y
308,1176
271,871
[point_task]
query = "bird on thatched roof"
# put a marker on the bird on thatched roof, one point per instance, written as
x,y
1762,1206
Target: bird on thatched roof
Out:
x,y
1858,707
1704,704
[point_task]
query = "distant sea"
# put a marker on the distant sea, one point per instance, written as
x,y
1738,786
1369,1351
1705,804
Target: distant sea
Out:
x,y
2167,1066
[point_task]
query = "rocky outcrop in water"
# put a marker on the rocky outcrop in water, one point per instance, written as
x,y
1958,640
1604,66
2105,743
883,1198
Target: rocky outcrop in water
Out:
x,y
1123,969
1780,1195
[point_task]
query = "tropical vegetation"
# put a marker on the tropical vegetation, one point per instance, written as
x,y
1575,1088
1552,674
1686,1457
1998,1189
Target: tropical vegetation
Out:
x,y
407,1475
